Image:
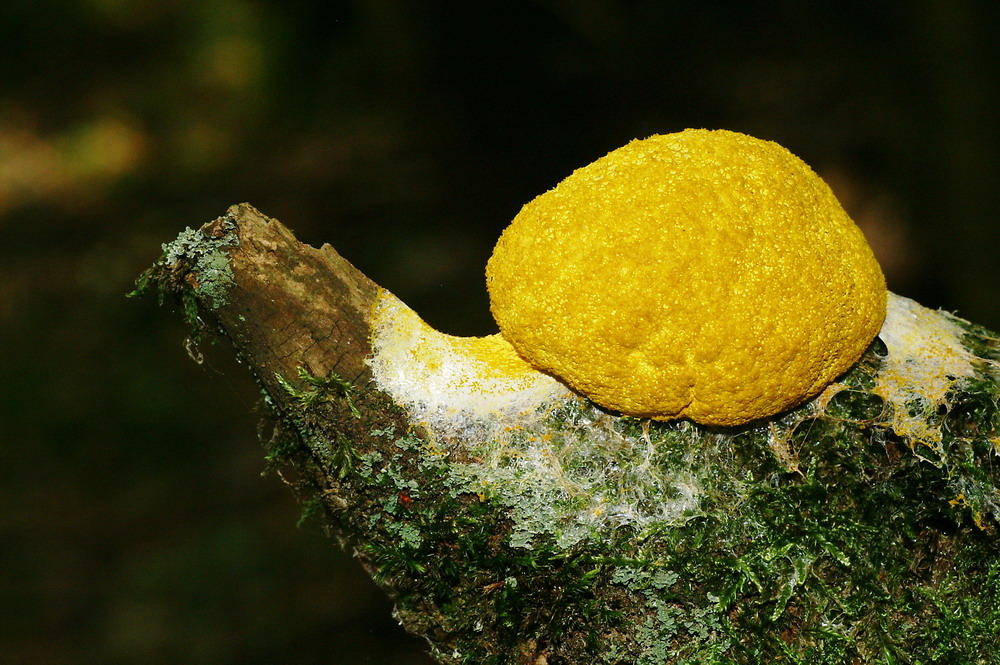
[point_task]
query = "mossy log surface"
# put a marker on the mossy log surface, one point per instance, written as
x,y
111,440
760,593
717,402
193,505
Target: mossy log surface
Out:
x,y
861,527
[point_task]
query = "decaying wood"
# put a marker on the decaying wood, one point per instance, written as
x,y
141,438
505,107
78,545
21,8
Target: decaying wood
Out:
x,y
286,305
829,534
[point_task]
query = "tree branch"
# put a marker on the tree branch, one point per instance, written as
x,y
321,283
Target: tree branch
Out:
x,y
537,528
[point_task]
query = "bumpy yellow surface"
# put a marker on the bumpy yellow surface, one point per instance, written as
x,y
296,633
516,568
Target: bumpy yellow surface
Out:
x,y
703,274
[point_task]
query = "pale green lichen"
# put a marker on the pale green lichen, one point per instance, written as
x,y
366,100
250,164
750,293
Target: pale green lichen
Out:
x,y
207,259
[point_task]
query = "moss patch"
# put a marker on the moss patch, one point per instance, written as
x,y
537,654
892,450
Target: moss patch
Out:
x,y
829,534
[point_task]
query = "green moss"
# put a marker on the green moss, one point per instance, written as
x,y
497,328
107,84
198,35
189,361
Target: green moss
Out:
x,y
334,451
817,533
820,537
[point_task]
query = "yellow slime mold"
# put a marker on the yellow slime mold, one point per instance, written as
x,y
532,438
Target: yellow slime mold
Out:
x,y
704,274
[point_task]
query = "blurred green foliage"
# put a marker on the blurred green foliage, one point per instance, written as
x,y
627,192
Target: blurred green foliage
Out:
x,y
134,524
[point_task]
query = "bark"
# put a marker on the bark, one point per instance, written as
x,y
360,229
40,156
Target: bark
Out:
x,y
857,528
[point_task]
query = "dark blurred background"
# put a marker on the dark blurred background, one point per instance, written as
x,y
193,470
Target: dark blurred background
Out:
x,y
135,525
